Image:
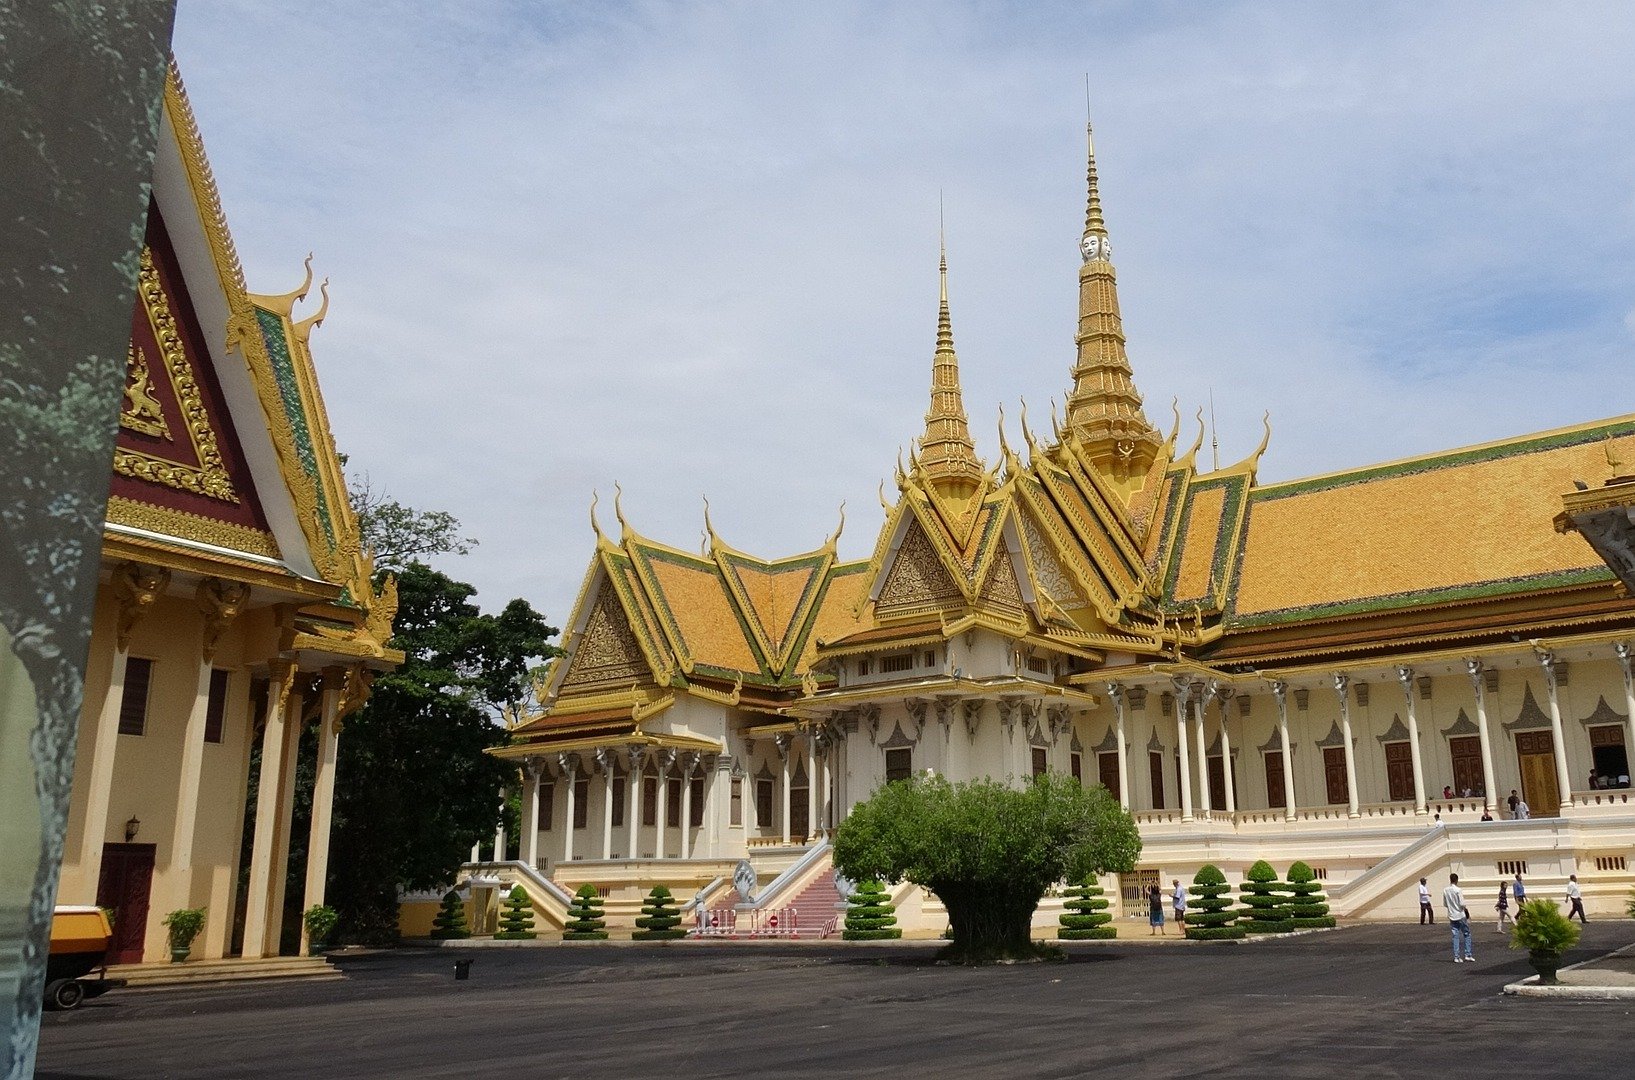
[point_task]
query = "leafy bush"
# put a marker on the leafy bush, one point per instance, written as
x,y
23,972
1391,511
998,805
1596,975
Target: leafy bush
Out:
x,y
1209,913
1086,915
988,851
517,923
320,920
1308,907
450,920
585,922
660,919
871,917
1264,910
184,925
1545,933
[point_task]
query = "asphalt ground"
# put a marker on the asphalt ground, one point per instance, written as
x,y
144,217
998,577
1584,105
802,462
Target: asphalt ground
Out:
x,y
1372,1001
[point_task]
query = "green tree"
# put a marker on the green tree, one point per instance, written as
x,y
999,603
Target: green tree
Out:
x,y
660,919
870,915
987,851
414,788
1210,915
1308,907
585,922
397,535
1264,910
450,920
1086,915
517,922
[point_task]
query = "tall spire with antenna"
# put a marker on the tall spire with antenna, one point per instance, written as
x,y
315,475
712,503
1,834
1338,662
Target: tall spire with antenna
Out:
x,y
1104,408
947,453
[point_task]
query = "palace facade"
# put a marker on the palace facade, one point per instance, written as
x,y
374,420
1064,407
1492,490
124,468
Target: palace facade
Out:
x,y
1355,669
236,608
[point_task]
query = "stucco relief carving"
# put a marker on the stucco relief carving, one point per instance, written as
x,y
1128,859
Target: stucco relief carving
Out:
x,y
917,576
607,649
1002,587
1048,571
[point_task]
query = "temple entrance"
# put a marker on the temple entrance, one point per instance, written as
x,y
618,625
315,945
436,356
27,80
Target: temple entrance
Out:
x,y
1274,780
1217,783
1399,771
1465,753
1537,754
800,812
1107,772
1611,757
1155,766
1334,774
123,886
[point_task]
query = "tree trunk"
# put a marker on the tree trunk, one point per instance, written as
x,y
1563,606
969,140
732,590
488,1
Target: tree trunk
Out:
x,y
991,920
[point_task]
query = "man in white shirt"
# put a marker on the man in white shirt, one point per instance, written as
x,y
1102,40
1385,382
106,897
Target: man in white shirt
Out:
x,y
1179,905
1522,810
1453,902
1426,914
1575,898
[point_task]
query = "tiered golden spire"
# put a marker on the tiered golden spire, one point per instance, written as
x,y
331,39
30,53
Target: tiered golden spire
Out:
x,y
1104,408
947,455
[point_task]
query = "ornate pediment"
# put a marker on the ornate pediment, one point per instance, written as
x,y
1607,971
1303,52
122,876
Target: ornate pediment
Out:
x,y
898,739
917,575
1462,725
1154,744
1531,717
1397,732
607,649
1334,736
1108,743
1603,714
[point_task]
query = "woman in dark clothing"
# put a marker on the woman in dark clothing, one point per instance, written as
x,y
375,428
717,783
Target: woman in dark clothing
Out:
x,y
1155,910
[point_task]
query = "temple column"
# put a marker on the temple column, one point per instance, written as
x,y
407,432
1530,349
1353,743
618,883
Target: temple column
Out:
x,y
1183,693
1405,675
1204,797
607,759
531,770
718,805
1474,669
1280,691
323,794
636,758
782,742
666,758
570,773
499,826
812,823
218,603
1116,692
1222,695
1342,687
1547,660
280,687
1626,660
825,802
688,762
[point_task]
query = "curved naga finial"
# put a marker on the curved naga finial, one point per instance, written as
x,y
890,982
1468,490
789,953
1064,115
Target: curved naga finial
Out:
x,y
709,527
1197,444
1175,428
840,528
596,528
618,506
1027,435
284,303
306,326
881,495
902,477
1004,446
1055,422
1252,462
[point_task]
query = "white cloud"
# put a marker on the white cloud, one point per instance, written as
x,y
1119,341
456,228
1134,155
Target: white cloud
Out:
x,y
692,247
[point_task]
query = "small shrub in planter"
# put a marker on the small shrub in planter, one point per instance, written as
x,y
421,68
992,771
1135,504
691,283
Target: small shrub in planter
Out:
x,y
1210,916
320,920
660,918
871,917
1086,915
1545,933
184,925
1263,909
1308,906
585,922
450,920
517,922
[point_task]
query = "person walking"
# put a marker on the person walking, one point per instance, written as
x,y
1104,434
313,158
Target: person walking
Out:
x,y
1453,902
1426,913
1575,897
1155,910
1522,810
1503,906
1520,890
1178,902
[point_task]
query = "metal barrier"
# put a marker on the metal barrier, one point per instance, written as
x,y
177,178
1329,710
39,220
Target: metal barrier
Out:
x,y
781,922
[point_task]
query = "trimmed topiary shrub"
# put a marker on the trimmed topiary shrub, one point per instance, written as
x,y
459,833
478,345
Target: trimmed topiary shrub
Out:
x,y
450,920
1086,915
1210,916
1264,911
517,923
585,922
660,918
871,917
1307,905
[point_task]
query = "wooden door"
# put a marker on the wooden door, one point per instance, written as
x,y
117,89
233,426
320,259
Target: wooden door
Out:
x,y
1274,780
1155,766
1537,753
1399,771
1465,753
1334,774
124,884
800,817
1107,766
1217,784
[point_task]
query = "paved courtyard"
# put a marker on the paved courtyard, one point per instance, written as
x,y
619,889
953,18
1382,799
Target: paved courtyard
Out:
x,y
1377,1001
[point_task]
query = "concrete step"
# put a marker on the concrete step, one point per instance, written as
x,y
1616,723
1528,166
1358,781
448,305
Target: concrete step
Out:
x,y
200,972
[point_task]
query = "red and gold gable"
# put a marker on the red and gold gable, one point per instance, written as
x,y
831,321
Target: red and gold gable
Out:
x,y
178,466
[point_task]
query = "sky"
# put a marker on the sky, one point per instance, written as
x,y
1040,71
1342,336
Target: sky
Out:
x,y
692,248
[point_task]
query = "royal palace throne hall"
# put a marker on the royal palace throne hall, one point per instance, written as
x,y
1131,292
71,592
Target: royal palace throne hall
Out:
x,y
1354,669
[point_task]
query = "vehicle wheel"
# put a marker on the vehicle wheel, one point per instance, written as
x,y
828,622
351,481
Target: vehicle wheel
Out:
x,y
64,994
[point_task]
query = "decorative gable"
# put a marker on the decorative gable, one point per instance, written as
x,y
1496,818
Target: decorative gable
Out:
x,y
607,650
917,576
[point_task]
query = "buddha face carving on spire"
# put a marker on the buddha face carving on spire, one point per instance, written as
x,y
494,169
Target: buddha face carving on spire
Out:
x,y
1095,246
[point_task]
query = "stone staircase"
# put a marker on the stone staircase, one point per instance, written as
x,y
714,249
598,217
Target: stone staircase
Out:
x,y
205,972
817,908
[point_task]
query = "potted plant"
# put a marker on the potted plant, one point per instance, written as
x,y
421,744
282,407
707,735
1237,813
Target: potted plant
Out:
x,y
320,921
1545,933
184,925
